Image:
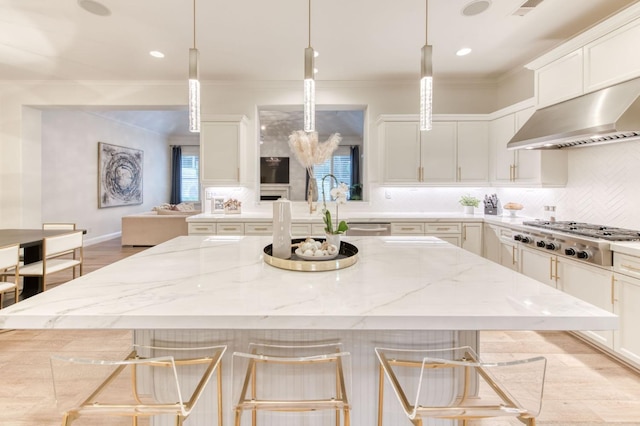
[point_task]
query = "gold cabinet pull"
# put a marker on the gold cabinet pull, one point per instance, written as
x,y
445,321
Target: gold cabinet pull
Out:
x,y
551,268
613,286
464,232
557,277
260,229
201,229
443,229
513,255
629,267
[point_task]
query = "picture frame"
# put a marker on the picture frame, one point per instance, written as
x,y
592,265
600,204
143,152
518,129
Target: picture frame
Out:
x,y
217,204
120,175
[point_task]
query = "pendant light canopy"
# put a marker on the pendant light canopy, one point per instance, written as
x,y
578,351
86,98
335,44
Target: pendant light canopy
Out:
x,y
426,79
309,102
194,81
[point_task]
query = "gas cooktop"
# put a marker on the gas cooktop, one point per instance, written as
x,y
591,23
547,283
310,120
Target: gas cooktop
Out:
x,y
587,230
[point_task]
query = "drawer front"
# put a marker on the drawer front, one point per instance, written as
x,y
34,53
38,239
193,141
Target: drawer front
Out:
x,y
258,229
300,230
230,228
625,264
443,228
317,230
202,228
407,228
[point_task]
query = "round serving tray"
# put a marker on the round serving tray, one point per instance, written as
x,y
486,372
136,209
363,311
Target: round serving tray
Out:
x,y
347,256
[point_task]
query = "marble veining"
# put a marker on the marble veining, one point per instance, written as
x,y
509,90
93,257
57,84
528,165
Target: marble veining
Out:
x,y
398,283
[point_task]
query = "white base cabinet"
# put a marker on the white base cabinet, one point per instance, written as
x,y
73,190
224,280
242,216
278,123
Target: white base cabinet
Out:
x,y
472,237
626,305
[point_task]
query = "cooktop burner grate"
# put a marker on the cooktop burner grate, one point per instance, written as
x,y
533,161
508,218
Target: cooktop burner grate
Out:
x,y
588,230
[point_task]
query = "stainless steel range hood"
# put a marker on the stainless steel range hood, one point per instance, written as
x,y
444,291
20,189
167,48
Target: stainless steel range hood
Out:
x,y
605,116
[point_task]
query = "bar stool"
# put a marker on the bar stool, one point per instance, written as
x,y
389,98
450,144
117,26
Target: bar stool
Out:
x,y
456,384
9,261
292,378
149,381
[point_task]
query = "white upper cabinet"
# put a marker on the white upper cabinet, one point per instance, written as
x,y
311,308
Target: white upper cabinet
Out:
x,y
599,57
451,152
401,151
473,151
560,80
523,167
438,152
612,58
221,139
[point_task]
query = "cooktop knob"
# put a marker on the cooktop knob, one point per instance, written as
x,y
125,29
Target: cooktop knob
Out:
x,y
570,252
583,254
525,239
541,244
517,237
552,246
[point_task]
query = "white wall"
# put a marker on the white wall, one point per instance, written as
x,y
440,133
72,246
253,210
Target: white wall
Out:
x,y
69,172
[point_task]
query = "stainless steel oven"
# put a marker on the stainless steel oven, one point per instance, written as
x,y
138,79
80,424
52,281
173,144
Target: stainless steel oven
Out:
x,y
369,228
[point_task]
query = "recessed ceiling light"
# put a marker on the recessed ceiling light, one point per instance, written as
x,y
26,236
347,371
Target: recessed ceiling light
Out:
x,y
156,54
476,7
464,51
94,7
316,53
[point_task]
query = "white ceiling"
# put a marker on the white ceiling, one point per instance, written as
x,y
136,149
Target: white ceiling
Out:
x,y
265,40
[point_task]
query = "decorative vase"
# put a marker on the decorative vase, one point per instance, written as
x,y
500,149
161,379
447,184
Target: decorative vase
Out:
x,y
334,239
468,209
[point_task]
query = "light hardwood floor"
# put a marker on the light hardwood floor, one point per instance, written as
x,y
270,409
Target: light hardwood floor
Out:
x,y
583,386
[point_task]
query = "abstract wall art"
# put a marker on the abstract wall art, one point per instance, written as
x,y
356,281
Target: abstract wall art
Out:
x,y
120,175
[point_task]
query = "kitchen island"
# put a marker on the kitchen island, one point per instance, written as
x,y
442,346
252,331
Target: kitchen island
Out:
x,y
402,291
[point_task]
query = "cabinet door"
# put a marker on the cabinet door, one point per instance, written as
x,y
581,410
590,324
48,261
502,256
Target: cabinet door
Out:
x,y
501,130
472,237
451,239
401,141
527,162
560,80
509,255
220,152
591,284
618,47
491,243
439,152
626,303
473,151
538,265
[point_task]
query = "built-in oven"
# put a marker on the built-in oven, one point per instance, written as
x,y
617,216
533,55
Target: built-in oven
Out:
x,y
369,228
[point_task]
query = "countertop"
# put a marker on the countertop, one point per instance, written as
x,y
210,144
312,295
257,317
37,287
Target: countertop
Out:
x,y
631,248
398,283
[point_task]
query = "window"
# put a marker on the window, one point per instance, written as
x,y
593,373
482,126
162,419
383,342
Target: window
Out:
x,y
338,165
190,185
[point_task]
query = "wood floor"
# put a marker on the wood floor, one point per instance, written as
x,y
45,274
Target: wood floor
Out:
x,y
583,386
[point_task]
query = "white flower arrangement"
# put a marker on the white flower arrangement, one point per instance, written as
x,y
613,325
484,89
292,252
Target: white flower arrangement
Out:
x,y
339,193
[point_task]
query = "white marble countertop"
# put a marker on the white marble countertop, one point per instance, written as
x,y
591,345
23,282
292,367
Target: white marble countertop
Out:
x,y
213,282
631,248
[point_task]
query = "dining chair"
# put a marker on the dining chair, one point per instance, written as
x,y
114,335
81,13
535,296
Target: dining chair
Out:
x,y
149,381
454,383
313,379
9,261
52,249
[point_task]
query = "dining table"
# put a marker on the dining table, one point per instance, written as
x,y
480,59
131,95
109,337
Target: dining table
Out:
x,y
31,241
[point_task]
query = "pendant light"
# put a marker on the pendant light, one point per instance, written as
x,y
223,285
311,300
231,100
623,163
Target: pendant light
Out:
x,y
426,79
194,82
309,102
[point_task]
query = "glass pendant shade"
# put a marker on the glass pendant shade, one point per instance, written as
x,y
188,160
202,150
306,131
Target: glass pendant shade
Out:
x,y
426,89
194,91
309,102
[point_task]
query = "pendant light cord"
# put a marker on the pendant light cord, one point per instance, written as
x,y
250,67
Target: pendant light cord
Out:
x,y
426,22
309,23
194,24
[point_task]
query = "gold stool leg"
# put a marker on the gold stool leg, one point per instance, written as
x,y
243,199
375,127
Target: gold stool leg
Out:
x,y
238,414
219,378
380,393
134,421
